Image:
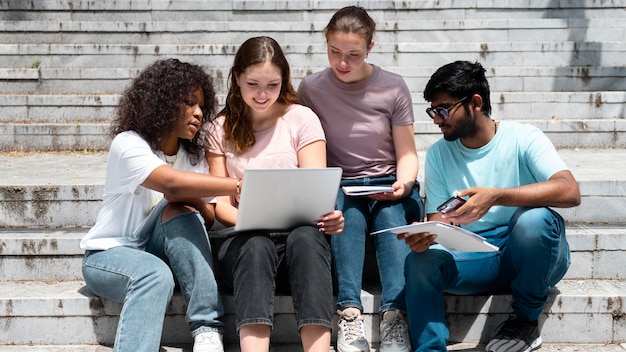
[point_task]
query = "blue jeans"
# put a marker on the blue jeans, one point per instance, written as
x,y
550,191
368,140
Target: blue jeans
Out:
x,y
143,280
363,215
534,255
254,265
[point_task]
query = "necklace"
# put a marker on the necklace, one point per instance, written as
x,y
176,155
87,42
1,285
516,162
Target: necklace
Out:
x,y
495,127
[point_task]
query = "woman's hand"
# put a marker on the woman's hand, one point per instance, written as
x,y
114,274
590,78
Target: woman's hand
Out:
x,y
331,223
400,190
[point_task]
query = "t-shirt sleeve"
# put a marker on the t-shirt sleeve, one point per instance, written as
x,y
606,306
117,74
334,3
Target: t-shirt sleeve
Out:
x,y
403,111
133,161
215,136
310,128
541,157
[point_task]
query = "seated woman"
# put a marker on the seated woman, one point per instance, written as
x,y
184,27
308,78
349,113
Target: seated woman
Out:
x,y
262,127
140,242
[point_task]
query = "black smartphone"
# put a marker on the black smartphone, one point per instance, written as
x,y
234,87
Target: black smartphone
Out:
x,y
451,204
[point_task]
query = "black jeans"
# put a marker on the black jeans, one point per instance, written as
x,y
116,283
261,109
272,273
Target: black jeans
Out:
x,y
254,266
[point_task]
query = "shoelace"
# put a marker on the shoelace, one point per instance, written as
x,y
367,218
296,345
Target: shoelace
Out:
x,y
394,331
353,329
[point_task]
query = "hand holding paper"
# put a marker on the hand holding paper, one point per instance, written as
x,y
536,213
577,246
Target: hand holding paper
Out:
x,y
452,237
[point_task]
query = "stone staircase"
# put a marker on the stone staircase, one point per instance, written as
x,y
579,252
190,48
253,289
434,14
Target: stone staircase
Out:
x,y
559,65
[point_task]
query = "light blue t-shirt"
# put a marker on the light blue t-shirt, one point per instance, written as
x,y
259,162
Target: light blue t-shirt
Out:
x,y
519,154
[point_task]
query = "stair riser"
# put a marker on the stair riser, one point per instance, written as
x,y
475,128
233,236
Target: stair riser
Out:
x,y
565,327
388,54
66,140
114,85
585,265
71,212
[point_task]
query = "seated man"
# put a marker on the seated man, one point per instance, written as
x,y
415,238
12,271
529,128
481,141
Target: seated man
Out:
x,y
510,174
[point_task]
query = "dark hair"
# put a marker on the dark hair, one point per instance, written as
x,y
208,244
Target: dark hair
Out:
x,y
237,127
460,79
154,101
352,19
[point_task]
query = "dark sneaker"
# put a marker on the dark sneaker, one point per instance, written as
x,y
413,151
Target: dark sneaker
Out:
x,y
516,335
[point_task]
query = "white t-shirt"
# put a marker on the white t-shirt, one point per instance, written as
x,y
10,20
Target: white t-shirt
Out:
x,y
125,203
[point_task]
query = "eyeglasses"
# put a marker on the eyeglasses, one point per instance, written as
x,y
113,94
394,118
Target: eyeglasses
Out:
x,y
441,111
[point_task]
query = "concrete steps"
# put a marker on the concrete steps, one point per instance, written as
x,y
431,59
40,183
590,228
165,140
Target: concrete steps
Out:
x,y
464,347
580,311
63,189
41,254
42,284
63,64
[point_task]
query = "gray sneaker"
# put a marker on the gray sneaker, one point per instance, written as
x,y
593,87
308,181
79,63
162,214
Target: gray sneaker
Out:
x,y
516,335
394,332
351,331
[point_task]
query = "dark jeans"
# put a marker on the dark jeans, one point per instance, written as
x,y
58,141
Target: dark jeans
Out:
x,y
254,265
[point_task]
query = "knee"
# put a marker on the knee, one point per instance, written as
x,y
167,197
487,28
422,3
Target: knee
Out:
x,y
256,249
531,225
158,278
305,236
415,260
173,209
307,241
421,268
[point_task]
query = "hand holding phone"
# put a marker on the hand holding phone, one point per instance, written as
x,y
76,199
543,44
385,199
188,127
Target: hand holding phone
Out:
x,y
453,203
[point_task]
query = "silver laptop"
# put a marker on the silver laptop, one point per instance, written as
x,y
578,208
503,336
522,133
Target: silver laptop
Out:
x,y
281,199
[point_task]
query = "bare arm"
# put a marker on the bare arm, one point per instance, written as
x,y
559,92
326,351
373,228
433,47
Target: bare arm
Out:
x,y
407,163
561,190
225,211
312,155
186,184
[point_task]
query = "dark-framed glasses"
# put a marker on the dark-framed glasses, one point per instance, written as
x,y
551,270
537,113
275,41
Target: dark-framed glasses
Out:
x,y
441,111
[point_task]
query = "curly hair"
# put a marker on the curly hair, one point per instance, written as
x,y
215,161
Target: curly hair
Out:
x,y
237,127
154,101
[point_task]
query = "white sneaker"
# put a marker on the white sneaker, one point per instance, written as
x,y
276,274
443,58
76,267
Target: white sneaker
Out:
x,y
394,333
351,332
210,341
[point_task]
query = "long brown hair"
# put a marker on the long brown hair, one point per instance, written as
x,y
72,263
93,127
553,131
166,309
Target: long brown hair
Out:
x,y
352,19
237,127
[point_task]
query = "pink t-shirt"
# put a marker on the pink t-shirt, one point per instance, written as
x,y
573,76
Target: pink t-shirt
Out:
x,y
357,119
275,147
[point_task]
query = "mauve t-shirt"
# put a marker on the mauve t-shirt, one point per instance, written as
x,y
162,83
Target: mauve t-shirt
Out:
x,y
357,119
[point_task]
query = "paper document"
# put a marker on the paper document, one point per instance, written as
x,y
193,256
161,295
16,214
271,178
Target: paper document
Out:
x,y
452,237
365,190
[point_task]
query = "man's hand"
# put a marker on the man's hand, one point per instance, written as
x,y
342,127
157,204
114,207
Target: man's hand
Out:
x,y
418,242
481,199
